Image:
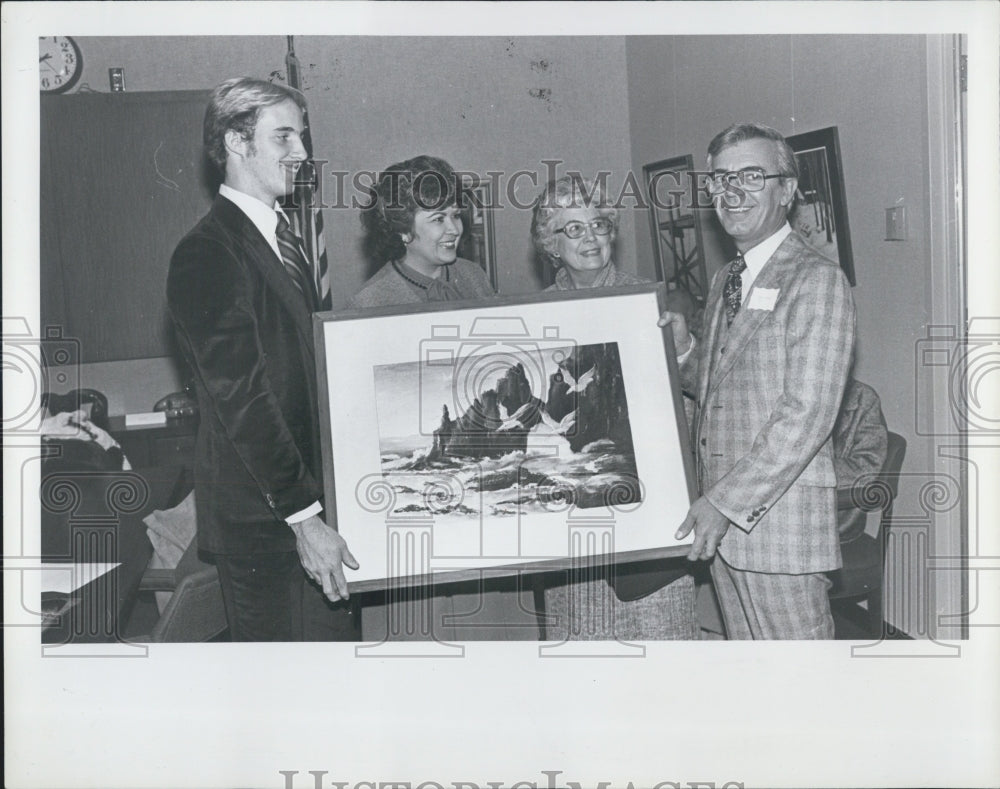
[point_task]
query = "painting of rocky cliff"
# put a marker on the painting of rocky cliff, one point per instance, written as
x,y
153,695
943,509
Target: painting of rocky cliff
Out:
x,y
518,436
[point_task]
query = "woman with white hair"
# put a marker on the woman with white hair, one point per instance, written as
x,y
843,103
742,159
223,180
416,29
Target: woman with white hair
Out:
x,y
574,227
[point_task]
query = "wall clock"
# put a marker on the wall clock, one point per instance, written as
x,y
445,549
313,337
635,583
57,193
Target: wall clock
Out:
x,y
59,64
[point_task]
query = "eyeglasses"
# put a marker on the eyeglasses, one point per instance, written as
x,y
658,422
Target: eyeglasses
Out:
x,y
600,226
749,179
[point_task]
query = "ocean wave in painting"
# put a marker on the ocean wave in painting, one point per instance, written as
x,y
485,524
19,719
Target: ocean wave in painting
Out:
x,y
519,446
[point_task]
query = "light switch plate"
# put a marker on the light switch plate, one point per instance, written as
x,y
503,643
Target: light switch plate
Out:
x,y
895,223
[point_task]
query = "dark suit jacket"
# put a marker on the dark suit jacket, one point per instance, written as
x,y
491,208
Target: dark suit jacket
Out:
x,y
246,332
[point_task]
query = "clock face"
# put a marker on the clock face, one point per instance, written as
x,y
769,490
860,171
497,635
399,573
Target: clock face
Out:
x,y
59,64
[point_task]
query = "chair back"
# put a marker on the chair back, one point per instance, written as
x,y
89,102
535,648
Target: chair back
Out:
x,y
195,611
873,492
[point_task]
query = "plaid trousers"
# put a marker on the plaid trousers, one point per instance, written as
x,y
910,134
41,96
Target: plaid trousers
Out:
x,y
777,606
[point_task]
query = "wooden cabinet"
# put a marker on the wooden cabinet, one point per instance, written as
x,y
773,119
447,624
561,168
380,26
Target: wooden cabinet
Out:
x,y
123,178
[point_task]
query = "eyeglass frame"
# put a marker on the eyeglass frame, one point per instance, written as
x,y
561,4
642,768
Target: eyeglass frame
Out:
x,y
740,178
584,225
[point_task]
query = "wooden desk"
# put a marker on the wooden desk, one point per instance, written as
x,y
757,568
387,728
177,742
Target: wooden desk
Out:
x,y
159,445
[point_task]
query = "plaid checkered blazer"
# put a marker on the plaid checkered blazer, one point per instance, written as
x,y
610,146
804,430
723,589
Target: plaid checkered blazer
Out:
x,y
769,389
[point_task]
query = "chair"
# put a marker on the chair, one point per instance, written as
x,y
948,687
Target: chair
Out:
x,y
860,578
195,611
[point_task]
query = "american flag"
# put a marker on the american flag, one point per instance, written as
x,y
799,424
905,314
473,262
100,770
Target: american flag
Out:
x,y
306,220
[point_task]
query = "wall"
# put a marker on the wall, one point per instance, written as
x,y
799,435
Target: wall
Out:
x,y
154,63
484,104
683,90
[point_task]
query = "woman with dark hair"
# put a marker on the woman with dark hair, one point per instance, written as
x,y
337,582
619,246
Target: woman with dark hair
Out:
x,y
414,226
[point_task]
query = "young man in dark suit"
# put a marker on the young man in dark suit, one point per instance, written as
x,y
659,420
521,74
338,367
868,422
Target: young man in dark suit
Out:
x,y
769,371
241,299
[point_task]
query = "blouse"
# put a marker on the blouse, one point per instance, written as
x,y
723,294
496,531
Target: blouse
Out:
x,y
397,283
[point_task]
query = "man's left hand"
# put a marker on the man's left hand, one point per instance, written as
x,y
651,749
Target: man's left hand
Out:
x,y
323,553
709,526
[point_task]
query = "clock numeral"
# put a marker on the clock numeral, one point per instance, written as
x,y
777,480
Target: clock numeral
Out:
x,y
45,82
70,60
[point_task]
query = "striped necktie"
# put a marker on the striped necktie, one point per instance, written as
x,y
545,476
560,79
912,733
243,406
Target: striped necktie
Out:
x,y
295,262
733,291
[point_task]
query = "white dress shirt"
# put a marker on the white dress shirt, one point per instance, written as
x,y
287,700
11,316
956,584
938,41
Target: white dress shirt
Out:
x,y
755,259
265,219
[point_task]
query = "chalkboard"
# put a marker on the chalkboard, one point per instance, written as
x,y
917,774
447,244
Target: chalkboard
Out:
x,y
123,178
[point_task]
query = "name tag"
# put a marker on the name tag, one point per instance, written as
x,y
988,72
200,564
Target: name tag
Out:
x,y
763,299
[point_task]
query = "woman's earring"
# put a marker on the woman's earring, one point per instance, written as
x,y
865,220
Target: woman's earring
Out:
x,y
407,238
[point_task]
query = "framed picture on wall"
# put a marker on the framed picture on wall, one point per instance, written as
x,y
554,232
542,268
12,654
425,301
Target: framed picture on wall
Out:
x,y
478,244
522,434
820,213
676,226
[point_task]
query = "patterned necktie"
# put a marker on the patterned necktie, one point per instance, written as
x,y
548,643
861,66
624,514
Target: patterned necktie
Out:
x,y
295,262
733,291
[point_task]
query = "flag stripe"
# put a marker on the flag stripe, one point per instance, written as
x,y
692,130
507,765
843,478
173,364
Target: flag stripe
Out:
x,y
306,216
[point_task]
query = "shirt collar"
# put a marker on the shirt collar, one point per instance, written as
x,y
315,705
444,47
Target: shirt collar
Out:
x,y
756,257
414,277
264,217
605,278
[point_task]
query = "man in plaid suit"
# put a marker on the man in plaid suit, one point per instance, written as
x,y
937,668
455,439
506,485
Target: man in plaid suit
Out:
x,y
770,371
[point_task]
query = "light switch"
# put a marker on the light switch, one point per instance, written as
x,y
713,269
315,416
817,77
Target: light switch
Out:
x,y
895,223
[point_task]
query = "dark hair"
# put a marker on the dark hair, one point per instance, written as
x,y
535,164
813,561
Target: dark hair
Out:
x,y
741,132
235,105
423,183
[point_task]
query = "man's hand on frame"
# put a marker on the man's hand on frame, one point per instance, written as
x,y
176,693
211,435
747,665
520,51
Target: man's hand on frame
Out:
x,y
679,327
709,526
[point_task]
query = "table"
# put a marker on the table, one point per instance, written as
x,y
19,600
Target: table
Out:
x,y
90,517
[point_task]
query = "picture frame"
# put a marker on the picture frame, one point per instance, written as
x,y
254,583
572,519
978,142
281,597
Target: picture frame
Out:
x,y
675,225
820,212
440,463
478,242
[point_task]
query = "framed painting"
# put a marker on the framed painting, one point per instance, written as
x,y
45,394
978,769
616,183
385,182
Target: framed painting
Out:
x,y
675,223
477,243
820,212
473,439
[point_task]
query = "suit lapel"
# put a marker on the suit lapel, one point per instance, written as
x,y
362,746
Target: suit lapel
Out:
x,y
712,327
258,253
775,274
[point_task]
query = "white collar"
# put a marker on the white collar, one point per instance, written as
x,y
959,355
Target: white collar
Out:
x,y
756,257
264,217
